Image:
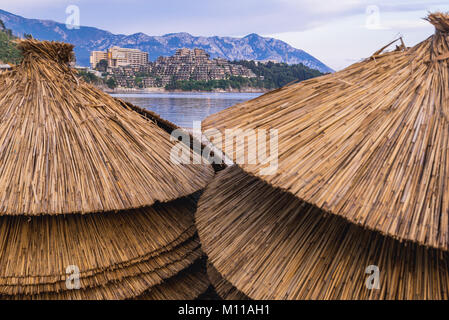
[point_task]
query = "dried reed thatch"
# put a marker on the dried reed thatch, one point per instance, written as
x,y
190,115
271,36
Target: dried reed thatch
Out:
x,y
87,181
95,155
270,245
224,289
148,272
368,143
81,240
120,255
187,285
125,288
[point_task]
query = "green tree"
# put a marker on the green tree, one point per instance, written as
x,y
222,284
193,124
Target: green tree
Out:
x,y
8,49
111,83
89,77
102,65
276,75
139,81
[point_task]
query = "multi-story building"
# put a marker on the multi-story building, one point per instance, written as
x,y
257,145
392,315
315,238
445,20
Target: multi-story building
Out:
x,y
119,57
97,56
149,82
187,64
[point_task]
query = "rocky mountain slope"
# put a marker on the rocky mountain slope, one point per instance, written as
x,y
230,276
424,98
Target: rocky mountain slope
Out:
x,y
86,39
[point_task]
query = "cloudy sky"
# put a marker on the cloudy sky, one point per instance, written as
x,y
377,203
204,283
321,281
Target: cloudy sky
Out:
x,y
338,32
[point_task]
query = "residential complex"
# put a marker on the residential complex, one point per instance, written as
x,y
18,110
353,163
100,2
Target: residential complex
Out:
x,y
185,64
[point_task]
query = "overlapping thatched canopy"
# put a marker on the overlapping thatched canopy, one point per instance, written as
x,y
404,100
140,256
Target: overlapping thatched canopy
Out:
x,y
223,288
86,241
187,285
86,181
368,143
267,244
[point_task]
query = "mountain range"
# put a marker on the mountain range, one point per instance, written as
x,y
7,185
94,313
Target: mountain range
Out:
x,y
87,39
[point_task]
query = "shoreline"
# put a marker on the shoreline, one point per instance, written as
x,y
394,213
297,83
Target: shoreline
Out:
x,y
162,90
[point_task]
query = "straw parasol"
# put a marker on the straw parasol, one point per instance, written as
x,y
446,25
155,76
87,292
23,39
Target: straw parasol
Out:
x,y
223,288
267,244
360,182
95,155
189,284
367,143
87,182
136,236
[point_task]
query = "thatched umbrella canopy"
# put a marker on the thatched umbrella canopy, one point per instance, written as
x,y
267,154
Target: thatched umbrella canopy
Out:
x,y
187,285
104,246
368,143
223,287
86,180
267,244
95,155
134,281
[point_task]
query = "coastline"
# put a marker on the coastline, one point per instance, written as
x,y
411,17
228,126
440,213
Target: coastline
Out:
x,y
162,90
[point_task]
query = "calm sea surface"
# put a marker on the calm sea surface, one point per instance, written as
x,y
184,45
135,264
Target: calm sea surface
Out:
x,y
184,108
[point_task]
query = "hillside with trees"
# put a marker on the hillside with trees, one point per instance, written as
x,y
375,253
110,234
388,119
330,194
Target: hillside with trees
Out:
x,y
276,75
270,76
8,50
